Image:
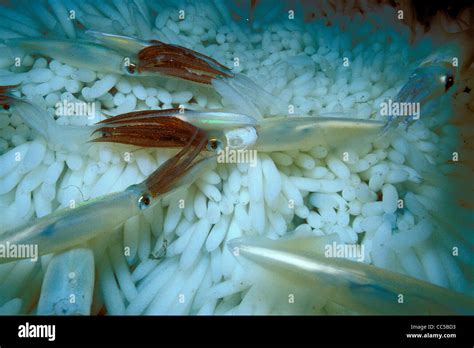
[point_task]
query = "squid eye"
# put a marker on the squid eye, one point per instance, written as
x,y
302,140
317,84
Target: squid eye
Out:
x,y
130,68
214,145
449,82
6,107
144,201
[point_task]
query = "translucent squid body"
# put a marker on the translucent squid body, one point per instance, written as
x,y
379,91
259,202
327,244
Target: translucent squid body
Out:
x,y
237,131
148,129
68,228
145,58
434,77
126,56
357,286
133,57
170,128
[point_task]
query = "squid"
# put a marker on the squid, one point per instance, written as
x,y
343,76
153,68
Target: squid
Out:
x,y
359,287
129,56
133,57
68,228
238,132
433,78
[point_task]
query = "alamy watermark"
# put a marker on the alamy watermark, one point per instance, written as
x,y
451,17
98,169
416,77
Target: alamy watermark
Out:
x,y
77,108
229,155
346,251
400,109
28,330
20,251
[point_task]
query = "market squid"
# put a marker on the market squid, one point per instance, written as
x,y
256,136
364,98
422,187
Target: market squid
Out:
x,y
174,130
125,56
238,132
356,286
151,57
171,128
130,56
68,228
142,58
433,78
